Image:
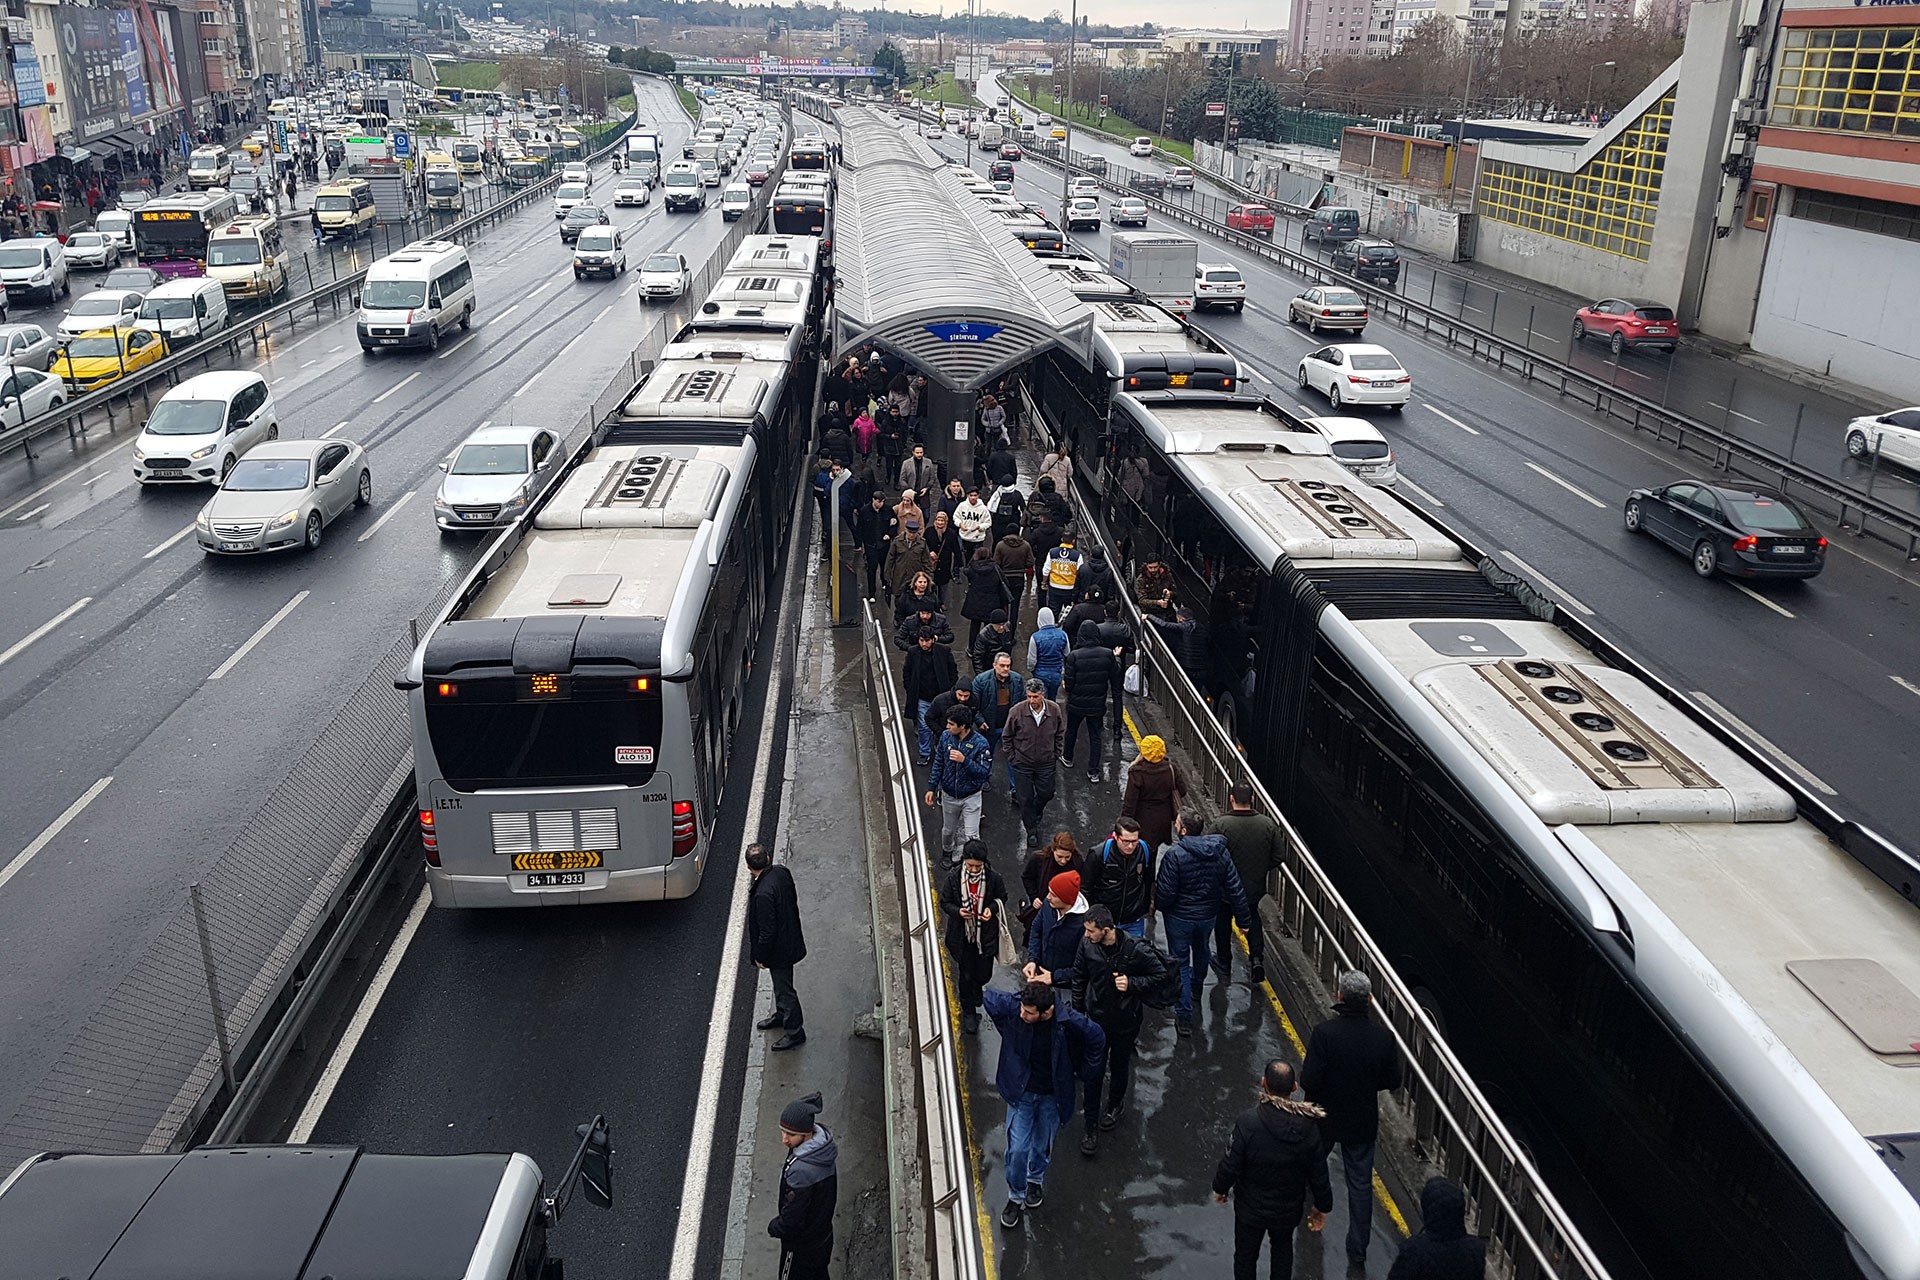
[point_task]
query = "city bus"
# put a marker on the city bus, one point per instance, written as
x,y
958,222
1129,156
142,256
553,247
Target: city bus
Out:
x,y
1665,960
247,257
575,705
800,210
171,234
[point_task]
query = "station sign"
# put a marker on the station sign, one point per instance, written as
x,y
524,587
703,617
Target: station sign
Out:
x,y
1216,108
964,331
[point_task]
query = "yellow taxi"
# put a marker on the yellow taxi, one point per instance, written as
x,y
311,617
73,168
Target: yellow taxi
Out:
x,y
253,147
100,356
1059,132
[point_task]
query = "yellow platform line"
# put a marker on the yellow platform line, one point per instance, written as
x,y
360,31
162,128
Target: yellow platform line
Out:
x,y
1380,1191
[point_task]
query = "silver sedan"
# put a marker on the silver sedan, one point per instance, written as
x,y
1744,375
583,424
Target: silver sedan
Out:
x,y
282,495
28,345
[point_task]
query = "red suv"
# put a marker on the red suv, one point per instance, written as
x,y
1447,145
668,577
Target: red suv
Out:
x,y
1254,219
1628,322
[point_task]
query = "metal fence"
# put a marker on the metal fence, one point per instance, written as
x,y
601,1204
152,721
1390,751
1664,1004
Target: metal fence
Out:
x,y
955,1245
1456,1127
180,1048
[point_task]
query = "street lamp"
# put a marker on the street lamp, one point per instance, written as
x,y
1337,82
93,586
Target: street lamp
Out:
x,y
1591,71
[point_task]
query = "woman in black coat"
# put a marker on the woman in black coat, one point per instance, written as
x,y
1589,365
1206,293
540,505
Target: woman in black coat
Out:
x,y
986,591
918,593
974,898
943,540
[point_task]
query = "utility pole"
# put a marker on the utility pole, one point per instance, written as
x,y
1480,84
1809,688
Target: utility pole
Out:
x,y
1226,121
1066,146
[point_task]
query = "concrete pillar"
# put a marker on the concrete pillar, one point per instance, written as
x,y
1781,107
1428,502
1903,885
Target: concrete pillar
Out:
x,y
1710,66
950,430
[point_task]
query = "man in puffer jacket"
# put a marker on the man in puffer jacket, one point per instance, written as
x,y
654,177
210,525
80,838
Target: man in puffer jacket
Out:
x,y
1047,652
1091,676
1053,942
1197,881
1441,1249
1271,1167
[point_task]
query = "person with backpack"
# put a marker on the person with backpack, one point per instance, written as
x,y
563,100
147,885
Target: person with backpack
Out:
x,y
1195,882
1120,877
1114,975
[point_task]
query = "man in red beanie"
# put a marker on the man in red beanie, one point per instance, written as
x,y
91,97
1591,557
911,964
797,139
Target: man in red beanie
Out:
x,y
1054,939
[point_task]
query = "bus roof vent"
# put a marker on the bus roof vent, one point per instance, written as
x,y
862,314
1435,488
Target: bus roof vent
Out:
x,y
638,487
1307,506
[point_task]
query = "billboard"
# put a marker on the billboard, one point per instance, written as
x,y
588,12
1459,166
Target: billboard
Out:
x,y
130,64
91,54
28,79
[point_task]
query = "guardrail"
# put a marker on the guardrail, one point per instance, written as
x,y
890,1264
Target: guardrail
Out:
x,y
73,415
1455,1126
955,1245
1852,508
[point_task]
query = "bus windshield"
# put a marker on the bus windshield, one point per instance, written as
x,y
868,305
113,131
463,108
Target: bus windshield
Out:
x,y
486,735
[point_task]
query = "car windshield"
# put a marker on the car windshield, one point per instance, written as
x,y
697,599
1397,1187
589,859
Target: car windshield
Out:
x,y
680,178
490,460
129,278
24,255
114,221
1341,298
1360,450
661,262
333,204
596,238
632,184
571,191
187,417
1378,361
267,475
1768,514
85,240
233,253
104,345
98,306
167,309
393,295
583,213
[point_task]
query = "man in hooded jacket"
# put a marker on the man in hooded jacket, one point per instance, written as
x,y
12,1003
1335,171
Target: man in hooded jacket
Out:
x,y
1350,1060
809,1190
1112,973
1196,881
1271,1167
1090,674
1441,1249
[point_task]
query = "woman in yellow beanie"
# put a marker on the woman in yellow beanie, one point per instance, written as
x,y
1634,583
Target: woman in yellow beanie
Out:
x,y
1155,786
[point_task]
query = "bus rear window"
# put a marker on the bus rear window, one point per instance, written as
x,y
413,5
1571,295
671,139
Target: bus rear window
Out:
x,y
509,732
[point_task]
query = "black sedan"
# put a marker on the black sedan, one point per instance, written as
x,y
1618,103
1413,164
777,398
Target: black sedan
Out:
x,y
1741,530
579,218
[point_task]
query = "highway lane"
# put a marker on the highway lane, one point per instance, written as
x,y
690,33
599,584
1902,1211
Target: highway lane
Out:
x,y
125,688
1816,668
1744,400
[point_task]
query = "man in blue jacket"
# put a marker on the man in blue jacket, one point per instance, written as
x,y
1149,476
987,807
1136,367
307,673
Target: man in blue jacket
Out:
x,y
1197,882
1046,1047
962,767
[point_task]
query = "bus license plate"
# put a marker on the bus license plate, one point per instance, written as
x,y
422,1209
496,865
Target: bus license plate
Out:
x,y
555,879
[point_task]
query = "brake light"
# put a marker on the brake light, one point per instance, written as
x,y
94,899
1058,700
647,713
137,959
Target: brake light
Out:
x,y
686,828
429,840
1358,381
1822,544
1747,543
1405,377
1324,313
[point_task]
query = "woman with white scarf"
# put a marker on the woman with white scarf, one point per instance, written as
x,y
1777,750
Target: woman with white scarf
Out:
x,y
973,900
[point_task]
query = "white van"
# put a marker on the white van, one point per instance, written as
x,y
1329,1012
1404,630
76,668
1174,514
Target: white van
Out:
x,y
412,297
735,200
199,429
34,266
186,309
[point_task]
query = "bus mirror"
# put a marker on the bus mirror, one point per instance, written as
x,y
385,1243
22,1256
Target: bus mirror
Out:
x,y
596,1165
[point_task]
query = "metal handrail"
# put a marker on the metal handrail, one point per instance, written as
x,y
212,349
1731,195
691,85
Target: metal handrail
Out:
x,y
1722,449
1514,1206
956,1245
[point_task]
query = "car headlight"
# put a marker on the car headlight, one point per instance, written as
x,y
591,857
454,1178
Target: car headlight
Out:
x,y
139,456
197,454
517,501
40,277
202,520
286,521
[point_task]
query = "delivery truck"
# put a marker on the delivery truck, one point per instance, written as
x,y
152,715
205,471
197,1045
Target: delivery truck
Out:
x,y
643,155
1160,266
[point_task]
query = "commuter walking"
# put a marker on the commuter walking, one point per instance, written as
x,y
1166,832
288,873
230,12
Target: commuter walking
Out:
x,y
1441,1249
874,528
995,637
1057,466
974,521
1032,740
1062,572
1350,1059
1047,651
1046,1045
1089,674
1257,847
996,692
1057,855
809,1192
986,590
1155,788
962,768
1272,1167
919,473
974,898
908,555
1112,972
1015,558
1195,882
776,944
1120,877
928,672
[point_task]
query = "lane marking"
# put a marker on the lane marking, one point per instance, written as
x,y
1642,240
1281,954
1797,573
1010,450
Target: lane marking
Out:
x,y
1472,431
53,829
42,489
1431,500
387,515
602,314
1548,583
36,511
233,661
471,335
1736,413
396,386
40,631
557,358
1906,684
328,433
1806,775
168,544
336,1068
509,311
1568,485
1263,377
1751,594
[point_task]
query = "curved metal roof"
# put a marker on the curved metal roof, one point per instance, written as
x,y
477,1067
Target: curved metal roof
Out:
x,y
925,270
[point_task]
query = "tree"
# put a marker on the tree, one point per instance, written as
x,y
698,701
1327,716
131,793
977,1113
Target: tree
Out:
x,y
615,55
891,63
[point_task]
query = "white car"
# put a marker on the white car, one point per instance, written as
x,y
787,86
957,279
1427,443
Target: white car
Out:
x,y
117,226
1084,188
1359,447
576,171
201,428
1356,373
101,309
630,191
1181,179
1140,147
664,276
492,477
1215,284
736,200
93,250
600,251
567,195
28,393
1895,436
1082,212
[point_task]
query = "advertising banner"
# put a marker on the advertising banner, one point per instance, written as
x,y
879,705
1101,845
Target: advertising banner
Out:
x,y
157,58
130,68
28,79
90,51
38,128
188,63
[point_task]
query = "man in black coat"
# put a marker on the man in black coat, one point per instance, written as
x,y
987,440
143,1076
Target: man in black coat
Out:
x,y
1089,679
809,1191
874,525
1273,1163
775,943
1111,974
1350,1059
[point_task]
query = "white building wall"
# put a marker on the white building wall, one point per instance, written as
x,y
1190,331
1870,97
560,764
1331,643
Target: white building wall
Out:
x,y
1863,333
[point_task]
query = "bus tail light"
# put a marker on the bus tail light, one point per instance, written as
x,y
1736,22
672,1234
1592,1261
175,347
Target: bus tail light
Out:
x,y
686,828
429,839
